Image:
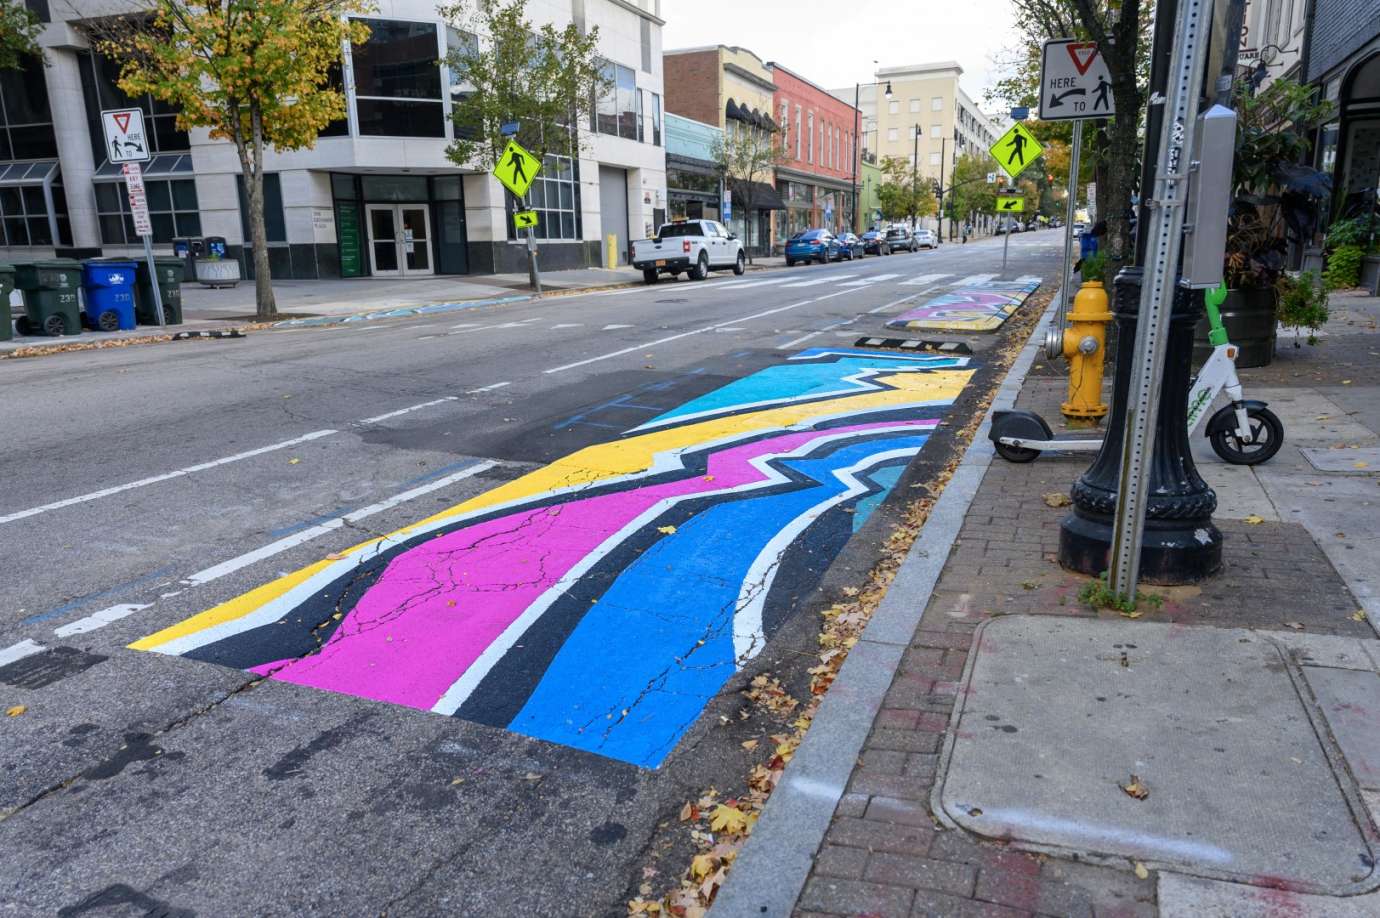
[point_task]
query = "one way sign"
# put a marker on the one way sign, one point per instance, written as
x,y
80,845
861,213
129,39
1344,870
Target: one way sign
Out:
x,y
1074,82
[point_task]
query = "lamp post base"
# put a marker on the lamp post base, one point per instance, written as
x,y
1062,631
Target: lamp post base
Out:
x,y
1170,553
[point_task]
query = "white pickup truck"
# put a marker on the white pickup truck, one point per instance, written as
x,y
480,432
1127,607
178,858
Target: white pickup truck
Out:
x,y
690,246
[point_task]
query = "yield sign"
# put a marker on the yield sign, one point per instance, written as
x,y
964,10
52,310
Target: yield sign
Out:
x,y
1083,54
122,119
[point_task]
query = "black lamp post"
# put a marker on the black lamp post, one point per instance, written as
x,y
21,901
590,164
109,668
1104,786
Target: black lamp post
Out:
x,y
857,152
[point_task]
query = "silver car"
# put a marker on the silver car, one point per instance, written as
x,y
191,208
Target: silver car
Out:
x,y
926,238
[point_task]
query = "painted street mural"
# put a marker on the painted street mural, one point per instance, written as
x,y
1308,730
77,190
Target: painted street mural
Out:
x,y
601,601
975,308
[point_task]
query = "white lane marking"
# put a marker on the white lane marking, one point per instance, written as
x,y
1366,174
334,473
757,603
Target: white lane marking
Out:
x,y
401,411
814,334
736,328
612,327
567,325
743,285
1028,279
99,619
817,280
862,282
25,648
426,337
488,388
974,279
697,331
466,325
154,479
330,525
923,280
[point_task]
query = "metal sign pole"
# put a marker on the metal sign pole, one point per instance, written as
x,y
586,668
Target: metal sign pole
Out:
x,y
1005,243
1054,340
153,275
1164,232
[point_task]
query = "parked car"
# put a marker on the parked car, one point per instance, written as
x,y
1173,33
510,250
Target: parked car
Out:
x,y
926,238
899,239
874,243
850,246
1079,227
812,245
691,246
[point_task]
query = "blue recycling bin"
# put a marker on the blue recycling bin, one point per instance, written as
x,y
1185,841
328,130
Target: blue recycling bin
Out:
x,y
1087,245
109,287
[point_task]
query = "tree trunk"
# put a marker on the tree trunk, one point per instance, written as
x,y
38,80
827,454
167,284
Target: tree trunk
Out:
x,y
266,306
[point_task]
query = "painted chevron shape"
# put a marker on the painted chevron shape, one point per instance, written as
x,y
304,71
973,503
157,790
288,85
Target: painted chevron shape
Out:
x,y
969,308
601,601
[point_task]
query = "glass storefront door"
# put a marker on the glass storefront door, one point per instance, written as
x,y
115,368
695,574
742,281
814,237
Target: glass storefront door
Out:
x,y
399,239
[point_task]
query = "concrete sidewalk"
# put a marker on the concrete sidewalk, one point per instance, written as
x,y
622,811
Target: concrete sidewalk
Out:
x,y
972,757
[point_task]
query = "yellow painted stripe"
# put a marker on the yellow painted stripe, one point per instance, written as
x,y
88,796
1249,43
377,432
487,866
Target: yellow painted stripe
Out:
x,y
598,463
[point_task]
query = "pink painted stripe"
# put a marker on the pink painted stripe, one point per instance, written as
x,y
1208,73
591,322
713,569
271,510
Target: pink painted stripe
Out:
x,y
435,608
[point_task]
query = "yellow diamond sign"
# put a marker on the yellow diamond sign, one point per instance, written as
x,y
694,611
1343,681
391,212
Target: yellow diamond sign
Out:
x,y
1015,150
516,168
525,219
1011,204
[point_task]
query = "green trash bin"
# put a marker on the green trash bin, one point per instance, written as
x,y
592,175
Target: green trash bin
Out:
x,y
171,273
6,285
51,304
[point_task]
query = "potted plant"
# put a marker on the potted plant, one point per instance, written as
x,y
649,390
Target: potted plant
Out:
x,y
1274,200
1302,304
1351,255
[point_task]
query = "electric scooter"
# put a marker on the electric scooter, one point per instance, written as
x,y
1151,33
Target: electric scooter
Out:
x,y
1244,432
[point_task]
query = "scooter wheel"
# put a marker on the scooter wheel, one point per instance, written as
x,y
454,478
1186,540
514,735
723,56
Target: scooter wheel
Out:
x,y
1267,436
1016,453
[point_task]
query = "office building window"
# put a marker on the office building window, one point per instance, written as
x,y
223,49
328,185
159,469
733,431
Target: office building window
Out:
x,y
797,132
656,119
915,105
555,197
617,108
838,143
936,130
457,82
811,152
937,103
893,107
23,210
173,211
934,159
26,122
892,134
398,80
646,46
275,223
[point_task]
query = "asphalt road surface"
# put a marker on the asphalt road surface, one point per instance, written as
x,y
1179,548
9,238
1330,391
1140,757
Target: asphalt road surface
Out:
x,y
571,525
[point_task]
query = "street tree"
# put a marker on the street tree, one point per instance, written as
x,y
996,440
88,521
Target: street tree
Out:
x,y
746,156
1122,32
257,73
546,81
903,193
971,194
19,29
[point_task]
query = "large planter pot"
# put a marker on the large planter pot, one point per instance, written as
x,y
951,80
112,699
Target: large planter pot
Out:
x,y
217,272
1249,317
1370,273
1312,260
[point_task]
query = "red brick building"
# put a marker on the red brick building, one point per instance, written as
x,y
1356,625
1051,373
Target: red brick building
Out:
x,y
820,140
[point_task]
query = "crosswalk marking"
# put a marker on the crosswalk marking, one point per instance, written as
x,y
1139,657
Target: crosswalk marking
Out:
x,y
973,279
923,280
818,280
25,648
757,283
864,281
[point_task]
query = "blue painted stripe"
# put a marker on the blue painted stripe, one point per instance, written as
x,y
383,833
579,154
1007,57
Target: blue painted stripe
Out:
x,y
885,479
80,601
643,662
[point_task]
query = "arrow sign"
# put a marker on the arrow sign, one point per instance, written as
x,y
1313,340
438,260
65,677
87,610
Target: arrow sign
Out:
x,y
516,168
1011,205
1058,100
525,219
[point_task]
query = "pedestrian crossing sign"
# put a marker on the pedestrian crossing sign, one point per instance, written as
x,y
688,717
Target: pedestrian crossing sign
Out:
x,y
1015,150
516,168
525,219
1011,204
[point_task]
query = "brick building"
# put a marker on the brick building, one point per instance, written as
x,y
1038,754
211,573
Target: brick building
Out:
x,y
819,141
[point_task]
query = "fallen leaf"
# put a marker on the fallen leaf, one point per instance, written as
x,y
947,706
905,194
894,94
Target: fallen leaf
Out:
x,y
455,781
16,710
666,530
701,865
728,819
709,478
294,460
1346,382
1141,872
1136,788
1360,465
1358,616
1057,499
1254,519
1297,626
750,745
336,556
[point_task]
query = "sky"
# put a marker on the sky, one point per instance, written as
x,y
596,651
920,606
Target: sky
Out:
x,y
834,43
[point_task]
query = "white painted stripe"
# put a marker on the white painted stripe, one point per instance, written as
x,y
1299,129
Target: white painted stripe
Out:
x,y
697,331
1028,279
924,280
815,281
743,285
426,337
25,648
99,619
401,411
166,476
488,388
330,525
814,334
466,325
567,325
612,327
974,279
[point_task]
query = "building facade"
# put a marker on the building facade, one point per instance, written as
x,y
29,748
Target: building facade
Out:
x,y
1342,57
819,151
928,122
694,184
731,88
376,196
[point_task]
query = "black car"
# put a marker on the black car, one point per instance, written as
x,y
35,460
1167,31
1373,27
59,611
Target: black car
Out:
x,y
850,246
874,243
899,239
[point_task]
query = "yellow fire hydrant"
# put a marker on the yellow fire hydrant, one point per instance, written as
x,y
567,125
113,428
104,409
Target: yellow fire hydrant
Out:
x,y
1085,348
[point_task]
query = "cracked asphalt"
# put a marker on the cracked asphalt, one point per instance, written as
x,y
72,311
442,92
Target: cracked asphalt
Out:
x,y
140,486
